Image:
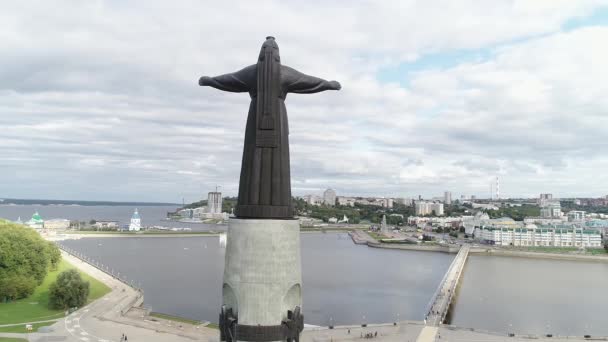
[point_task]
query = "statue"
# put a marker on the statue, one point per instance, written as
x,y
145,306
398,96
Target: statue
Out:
x,y
265,183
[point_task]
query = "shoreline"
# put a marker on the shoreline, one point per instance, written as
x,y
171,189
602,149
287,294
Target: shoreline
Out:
x,y
492,252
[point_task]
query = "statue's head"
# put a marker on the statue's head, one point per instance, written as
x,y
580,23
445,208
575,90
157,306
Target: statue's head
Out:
x,y
270,49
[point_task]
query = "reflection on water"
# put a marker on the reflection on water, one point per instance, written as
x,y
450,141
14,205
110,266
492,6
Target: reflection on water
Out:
x,y
342,283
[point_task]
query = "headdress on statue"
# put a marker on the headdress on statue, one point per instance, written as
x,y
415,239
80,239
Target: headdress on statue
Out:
x,y
269,78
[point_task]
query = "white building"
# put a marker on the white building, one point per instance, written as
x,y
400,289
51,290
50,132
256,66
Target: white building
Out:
x,y
329,197
544,198
57,224
486,206
346,201
551,209
214,202
436,221
427,208
105,224
531,235
135,224
447,198
576,215
313,199
405,201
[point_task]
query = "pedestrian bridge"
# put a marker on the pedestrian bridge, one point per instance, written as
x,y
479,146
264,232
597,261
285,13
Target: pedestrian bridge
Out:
x,y
442,299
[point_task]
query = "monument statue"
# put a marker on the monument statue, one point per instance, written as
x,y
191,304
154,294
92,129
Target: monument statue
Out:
x,y
265,184
261,290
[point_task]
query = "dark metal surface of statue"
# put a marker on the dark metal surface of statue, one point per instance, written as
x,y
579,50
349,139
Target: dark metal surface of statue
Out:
x,y
265,184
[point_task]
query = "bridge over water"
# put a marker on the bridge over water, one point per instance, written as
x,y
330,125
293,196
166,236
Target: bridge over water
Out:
x,y
440,302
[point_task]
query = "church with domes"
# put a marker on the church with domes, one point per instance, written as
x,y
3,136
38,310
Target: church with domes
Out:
x,y
36,221
135,224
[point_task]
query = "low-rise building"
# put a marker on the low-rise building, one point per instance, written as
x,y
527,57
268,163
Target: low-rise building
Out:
x,y
346,201
532,235
57,224
105,224
576,215
313,199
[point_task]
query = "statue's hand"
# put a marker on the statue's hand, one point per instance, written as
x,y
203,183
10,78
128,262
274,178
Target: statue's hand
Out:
x,y
203,81
335,85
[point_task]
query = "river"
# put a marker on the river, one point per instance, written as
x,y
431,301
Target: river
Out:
x,y
535,296
343,283
348,284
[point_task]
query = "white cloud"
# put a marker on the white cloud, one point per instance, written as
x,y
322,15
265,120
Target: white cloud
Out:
x,y
99,99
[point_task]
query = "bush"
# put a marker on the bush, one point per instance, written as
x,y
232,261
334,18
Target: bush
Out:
x,y
68,291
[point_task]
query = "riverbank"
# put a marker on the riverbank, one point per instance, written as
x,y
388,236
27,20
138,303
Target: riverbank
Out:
x,y
538,255
121,311
79,235
411,247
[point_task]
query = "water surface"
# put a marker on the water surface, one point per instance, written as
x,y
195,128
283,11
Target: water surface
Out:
x,y
536,296
342,283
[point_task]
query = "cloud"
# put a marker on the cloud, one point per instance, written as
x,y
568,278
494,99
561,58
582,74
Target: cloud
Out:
x,y
99,100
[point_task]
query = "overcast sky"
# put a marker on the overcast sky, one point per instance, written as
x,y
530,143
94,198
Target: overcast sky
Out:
x,y
99,99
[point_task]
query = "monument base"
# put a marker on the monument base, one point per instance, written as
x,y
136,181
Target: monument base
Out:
x,y
261,292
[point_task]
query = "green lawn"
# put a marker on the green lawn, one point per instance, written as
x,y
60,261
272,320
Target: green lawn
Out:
x,y
35,307
12,339
377,236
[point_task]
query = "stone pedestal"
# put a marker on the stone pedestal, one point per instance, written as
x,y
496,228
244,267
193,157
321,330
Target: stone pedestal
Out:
x,y
261,293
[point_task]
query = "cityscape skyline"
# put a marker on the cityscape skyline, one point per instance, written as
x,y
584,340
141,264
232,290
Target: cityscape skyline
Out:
x,y
89,112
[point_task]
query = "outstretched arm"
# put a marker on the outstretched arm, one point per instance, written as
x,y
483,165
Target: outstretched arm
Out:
x,y
236,82
297,82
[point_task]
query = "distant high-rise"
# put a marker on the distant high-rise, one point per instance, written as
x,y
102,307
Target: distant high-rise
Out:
x,y
447,198
544,199
427,208
214,202
329,197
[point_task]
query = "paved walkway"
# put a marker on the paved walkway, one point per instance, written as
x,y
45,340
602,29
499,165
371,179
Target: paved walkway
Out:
x,y
102,321
17,324
443,297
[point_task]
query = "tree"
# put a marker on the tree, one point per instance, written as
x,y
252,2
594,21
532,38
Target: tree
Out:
x,y
24,260
54,255
16,286
68,291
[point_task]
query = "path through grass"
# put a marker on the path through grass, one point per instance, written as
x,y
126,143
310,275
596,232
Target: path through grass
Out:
x,y
35,307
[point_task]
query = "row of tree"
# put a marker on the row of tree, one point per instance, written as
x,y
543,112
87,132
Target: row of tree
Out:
x,y
25,259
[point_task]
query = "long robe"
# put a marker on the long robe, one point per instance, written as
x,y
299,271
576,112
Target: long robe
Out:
x,y
265,183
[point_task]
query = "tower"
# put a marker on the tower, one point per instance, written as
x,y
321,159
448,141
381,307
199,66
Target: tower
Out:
x,y
214,202
497,189
135,224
